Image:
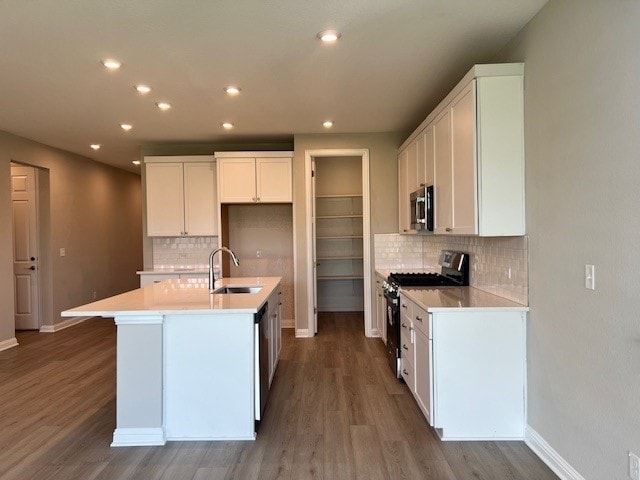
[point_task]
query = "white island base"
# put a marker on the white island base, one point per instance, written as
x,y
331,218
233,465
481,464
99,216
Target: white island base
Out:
x,y
186,361
205,363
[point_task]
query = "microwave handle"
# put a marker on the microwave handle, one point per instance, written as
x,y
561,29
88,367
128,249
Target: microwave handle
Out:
x,y
420,200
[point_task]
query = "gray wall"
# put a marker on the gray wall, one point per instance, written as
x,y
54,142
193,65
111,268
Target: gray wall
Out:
x,y
383,172
582,134
94,214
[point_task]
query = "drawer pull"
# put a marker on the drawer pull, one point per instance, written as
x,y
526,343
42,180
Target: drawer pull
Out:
x,y
418,318
404,325
404,370
448,229
404,305
405,347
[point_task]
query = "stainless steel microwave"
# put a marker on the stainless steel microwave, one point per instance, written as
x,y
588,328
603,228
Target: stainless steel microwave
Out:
x,y
421,209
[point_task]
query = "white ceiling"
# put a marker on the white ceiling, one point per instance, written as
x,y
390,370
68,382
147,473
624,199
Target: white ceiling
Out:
x,y
396,59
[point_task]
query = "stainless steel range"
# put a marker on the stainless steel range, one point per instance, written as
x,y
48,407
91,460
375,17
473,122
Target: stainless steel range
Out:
x,y
454,273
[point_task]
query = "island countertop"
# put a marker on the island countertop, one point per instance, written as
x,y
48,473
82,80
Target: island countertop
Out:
x,y
181,296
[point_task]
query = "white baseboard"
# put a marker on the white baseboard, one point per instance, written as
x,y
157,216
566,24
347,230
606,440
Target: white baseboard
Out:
x,y
549,456
7,344
56,327
138,437
303,333
288,323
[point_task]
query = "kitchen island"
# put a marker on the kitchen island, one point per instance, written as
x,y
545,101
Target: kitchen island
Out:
x,y
187,360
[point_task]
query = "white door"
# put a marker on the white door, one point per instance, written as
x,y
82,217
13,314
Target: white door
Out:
x,y
25,247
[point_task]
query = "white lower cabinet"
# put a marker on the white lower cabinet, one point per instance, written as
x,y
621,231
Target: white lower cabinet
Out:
x,y
466,369
274,331
381,309
422,392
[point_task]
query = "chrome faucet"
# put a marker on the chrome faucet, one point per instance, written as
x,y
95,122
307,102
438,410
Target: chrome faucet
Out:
x,y
212,279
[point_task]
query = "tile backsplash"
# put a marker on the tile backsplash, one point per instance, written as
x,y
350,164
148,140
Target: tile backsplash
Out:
x,y
182,252
499,265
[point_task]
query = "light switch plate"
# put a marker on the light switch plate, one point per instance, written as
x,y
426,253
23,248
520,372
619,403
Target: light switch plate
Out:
x,y
589,277
63,252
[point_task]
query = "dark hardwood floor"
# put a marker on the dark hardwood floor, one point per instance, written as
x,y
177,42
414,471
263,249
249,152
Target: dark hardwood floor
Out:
x,y
335,412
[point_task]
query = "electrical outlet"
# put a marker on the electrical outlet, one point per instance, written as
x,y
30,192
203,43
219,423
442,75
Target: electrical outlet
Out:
x,y
63,252
634,466
590,278
258,254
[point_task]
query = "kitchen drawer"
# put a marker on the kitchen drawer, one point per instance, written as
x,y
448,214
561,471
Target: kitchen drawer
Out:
x,y
406,308
406,343
406,371
420,320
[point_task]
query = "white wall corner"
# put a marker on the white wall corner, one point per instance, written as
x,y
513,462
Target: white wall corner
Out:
x,y
548,455
303,333
56,327
9,343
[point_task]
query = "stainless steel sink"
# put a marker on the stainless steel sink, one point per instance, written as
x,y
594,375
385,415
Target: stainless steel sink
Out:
x,y
238,289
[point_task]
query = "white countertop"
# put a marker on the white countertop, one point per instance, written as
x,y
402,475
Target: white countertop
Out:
x,y
435,299
181,296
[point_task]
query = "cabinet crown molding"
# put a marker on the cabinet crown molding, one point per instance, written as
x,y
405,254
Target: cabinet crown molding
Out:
x,y
178,158
269,154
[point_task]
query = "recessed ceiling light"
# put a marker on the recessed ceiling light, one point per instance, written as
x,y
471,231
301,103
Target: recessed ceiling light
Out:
x,y
163,105
126,127
111,63
227,125
136,162
231,90
327,124
329,36
143,89
95,146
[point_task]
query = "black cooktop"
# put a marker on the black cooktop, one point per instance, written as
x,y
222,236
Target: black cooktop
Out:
x,y
455,272
422,280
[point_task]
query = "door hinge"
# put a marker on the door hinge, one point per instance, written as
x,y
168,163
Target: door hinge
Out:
x,y
313,173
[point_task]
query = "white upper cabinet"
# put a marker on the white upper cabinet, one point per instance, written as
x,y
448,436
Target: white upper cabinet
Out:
x,y
273,180
404,224
255,177
237,180
443,177
478,146
181,196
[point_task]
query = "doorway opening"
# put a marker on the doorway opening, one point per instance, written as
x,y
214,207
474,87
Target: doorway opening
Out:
x,y
33,301
338,236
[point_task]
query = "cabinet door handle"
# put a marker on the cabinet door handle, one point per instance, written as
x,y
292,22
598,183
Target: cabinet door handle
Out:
x,y
404,370
418,318
448,229
404,305
257,199
405,347
404,325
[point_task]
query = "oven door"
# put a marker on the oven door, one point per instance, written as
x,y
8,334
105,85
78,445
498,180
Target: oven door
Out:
x,y
393,332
